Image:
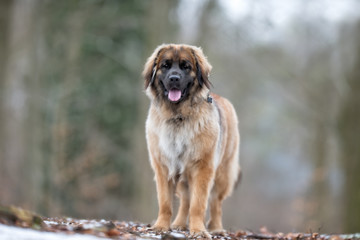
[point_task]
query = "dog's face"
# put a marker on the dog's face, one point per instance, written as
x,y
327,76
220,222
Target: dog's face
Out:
x,y
176,75
175,72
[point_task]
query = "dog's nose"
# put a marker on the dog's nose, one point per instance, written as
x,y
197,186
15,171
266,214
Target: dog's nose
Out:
x,y
174,78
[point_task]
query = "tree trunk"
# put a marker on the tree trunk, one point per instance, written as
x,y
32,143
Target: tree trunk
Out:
x,y
5,9
17,76
349,136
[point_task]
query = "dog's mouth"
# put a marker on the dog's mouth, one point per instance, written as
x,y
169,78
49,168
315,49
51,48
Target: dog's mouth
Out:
x,y
174,95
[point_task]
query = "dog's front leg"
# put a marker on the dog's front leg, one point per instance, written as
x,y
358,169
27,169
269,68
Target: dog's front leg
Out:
x,y
165,191
200,184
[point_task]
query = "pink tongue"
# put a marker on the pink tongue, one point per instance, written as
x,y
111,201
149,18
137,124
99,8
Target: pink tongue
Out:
x,y
174,95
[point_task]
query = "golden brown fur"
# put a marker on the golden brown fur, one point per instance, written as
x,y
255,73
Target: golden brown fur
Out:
x,y
193,143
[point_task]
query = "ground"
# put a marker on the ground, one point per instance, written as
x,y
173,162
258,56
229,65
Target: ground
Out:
x,y
19,224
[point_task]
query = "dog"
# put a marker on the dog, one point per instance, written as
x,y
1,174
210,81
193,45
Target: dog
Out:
x,y
192,137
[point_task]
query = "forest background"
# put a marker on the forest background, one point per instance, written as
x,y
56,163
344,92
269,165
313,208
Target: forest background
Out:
x,y
72,106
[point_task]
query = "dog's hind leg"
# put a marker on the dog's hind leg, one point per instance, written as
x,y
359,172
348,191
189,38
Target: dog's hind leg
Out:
x,y
216,199
223,187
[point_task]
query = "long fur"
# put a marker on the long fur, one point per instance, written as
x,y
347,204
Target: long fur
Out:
x,y
193,145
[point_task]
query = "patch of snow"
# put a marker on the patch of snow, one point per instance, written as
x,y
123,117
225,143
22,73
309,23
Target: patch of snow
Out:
x,y
177,235
149,235
51,222
17,233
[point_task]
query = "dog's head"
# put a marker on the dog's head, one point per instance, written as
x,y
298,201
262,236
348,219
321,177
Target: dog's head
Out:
x,y
176,71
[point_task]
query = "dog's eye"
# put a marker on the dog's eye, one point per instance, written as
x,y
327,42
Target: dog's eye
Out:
x,y
185,66
166,65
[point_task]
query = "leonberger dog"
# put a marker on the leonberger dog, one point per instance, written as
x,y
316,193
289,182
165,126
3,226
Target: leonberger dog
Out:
x,y
192,137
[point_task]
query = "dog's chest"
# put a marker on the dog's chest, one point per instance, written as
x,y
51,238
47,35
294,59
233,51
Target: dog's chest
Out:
x,y
175,144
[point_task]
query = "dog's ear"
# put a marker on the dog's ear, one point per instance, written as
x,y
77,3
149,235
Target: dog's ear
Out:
x,y
203,67
151,67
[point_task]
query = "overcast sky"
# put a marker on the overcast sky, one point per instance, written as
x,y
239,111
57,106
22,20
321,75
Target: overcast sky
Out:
x,y
275,13
280,11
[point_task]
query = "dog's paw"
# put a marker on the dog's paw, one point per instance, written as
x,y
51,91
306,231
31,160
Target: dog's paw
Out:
x,y
158,227
215,228
178,227
194,233
219,232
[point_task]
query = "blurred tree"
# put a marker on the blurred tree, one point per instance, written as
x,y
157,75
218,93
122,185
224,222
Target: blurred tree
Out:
x,y
96,51
69,104
349,136
5,10
18,68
